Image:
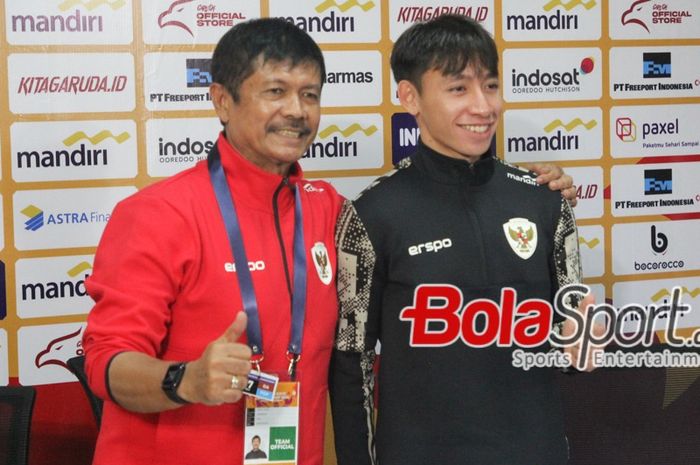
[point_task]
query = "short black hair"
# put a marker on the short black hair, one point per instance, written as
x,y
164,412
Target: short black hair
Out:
x,y
448,44
250,44
255,437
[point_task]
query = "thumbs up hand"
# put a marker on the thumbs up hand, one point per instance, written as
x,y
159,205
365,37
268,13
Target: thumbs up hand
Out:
x,y
221,372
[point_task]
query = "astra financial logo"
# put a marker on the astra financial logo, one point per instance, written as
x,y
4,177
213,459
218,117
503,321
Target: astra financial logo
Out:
x,y
657,182
656,65
36,218
557,141
80,156
336,147
198,72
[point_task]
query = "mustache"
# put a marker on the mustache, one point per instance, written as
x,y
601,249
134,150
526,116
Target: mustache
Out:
x,y
292,125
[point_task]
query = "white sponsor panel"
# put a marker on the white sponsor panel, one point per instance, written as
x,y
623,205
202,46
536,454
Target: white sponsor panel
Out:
x,y
175,144
59,22
72,150
193,21
344,142
353,78
177,81
655,247
333,21
43,352
51,219
589,191
553,134
655,189
4,359
654,72
52,286
71,82
552,74
654,19
591,244
403,13
657,293
547,20
2,230
658,130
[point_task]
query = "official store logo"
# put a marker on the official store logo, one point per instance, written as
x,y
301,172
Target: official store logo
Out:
x,y
625,129
659,241
656,65
556,142
645,13
521,235
173,16
36,217
188,14
59,350
658,182
198,72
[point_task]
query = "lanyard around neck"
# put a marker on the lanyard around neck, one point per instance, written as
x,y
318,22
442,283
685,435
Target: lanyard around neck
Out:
x,y
245,281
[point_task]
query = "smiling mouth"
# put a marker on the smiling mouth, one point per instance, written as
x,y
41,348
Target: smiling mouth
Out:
x,y
293,133
477,128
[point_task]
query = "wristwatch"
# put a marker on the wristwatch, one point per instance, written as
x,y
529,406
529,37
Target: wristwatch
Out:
x,y
172,380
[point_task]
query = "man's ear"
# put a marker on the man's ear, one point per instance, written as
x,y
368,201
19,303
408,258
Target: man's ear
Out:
x,y
222,101
409,97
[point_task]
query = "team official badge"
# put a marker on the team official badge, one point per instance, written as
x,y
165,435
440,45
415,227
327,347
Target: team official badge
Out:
x,y
521,234
322,262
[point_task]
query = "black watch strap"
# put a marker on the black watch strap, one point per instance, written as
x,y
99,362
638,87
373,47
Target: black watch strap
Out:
x,y
172,380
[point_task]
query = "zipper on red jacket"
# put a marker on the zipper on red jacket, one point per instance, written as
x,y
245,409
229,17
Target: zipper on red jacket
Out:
x,y
280,239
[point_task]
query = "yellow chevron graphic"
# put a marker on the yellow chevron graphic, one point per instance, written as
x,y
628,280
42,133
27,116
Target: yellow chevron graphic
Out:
x,y
31,211
569,6
96,139
90,4
79,268
666,293
571,125
343,7
353,128
590,244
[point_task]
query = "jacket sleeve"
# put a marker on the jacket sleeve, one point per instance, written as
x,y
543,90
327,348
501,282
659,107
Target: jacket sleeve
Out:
x,y
351,382
566,256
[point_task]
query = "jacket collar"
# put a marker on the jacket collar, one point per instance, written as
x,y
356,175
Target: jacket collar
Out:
x,y
448,170
251,185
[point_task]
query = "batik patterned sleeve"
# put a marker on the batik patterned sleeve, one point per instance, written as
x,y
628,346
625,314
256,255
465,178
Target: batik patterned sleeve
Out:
x,y
351,375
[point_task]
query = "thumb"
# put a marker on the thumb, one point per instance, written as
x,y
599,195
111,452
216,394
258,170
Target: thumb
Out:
x,y
237,328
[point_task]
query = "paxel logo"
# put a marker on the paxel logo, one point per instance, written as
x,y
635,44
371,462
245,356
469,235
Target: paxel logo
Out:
x,y
80,156
659,241
59,289
625,129
336,147
198,72
36,217
657,182
635,14
656,65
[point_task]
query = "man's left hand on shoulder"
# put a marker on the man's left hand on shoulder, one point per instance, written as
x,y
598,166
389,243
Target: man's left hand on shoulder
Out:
x,y
556,179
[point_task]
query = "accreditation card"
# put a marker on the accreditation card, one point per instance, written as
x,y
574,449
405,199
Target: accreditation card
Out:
x,y
272,427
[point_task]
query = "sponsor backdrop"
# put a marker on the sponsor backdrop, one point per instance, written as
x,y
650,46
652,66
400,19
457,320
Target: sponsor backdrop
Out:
x,y
100,98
